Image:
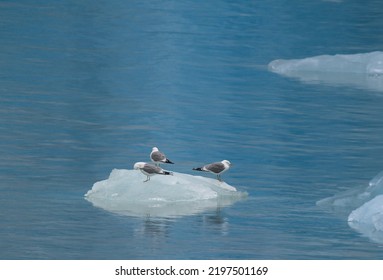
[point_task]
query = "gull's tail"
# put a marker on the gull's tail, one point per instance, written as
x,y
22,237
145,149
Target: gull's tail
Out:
x,y
168,161
199,169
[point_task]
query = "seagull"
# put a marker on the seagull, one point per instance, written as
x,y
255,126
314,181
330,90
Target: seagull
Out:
x,y
216,168
150,170
157,157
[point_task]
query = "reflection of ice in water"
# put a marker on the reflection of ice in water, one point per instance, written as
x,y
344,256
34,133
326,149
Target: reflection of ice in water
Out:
x,y
364,70
217,222
159,229
155,227
124,192
364,207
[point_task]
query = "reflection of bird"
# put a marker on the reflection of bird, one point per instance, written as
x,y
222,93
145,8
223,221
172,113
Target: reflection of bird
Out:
x,y
216,168
157,157
150,170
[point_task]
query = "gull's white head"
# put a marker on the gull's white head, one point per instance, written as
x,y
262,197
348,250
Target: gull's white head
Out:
x,y
226,163
139,165
155,149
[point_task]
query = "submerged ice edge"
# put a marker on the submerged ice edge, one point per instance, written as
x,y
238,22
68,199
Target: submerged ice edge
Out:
x,y
124,192
364,208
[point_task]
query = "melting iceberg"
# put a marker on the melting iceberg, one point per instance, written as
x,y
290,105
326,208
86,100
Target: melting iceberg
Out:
x,y
124,192
364,70
364,207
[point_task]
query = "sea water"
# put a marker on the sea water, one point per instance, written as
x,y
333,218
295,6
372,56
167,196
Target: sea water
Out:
x,y
88,87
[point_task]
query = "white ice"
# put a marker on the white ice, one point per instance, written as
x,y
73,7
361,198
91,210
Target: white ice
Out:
x,y
124,192
364,208
363,70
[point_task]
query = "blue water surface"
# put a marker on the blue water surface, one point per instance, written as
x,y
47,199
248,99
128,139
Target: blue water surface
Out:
x,y
89,86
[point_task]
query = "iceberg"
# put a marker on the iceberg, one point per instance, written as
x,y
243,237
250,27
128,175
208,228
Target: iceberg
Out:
x,y
363,70
364,208
125,193
368,219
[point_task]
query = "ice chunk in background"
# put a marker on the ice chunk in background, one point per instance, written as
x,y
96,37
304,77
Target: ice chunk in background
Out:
x,y
364,70
363,208
124,192
368,219
365,63
351,199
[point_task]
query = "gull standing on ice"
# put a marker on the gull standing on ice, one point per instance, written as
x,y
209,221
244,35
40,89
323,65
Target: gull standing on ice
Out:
x,y
150,170
216,168
157,157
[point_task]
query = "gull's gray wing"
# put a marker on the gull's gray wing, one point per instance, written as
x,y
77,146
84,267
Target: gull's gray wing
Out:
x,y
157,156
216,167
151,169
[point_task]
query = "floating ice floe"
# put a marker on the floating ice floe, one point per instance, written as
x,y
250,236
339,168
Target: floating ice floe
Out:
x,y
124,192
363,70
364,207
